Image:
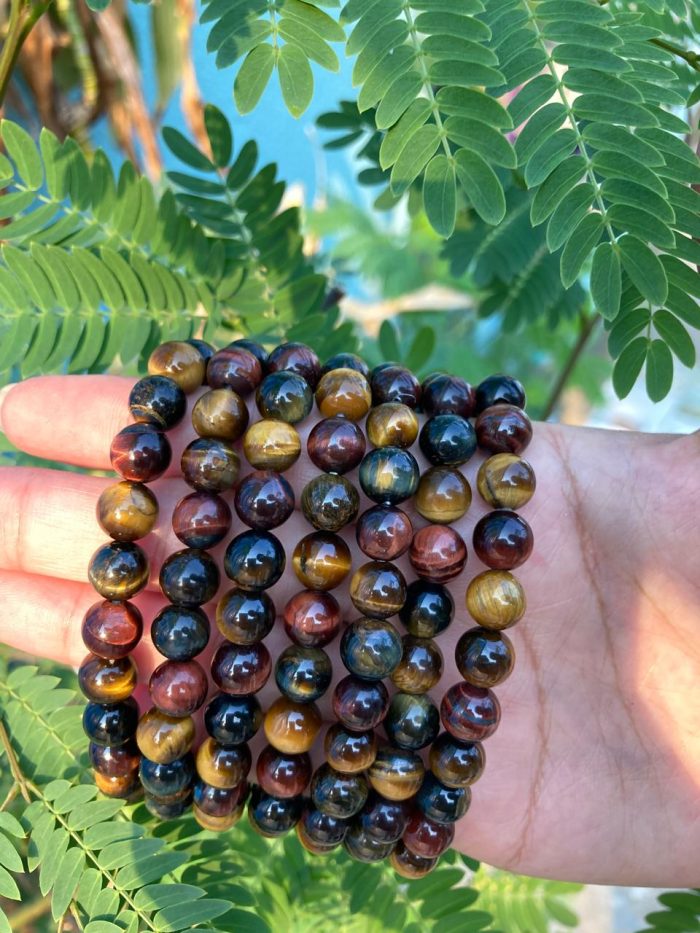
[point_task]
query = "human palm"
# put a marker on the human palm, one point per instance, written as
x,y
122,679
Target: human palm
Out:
x,y
594,772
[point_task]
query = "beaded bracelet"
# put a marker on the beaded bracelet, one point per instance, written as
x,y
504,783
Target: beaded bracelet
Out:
x,y
374,796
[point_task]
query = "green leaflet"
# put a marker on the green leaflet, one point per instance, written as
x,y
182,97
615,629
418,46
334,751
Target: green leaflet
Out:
x,y
440,194
606,280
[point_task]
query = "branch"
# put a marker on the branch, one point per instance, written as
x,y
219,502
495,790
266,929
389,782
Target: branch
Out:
x,y
692,58
588,325
22,20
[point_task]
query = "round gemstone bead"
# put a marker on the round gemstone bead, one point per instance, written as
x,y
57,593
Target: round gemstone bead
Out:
x,y
180,632
292,727
383,820
320,830
107,680
438,553
502,540
396,773
210,464
168,808
241,669
349,751
282,774
321,560
503,429
330,502
338,794
426,838
163,738
389,475
235,368
273,816
303,674
394,383
360,704
245,617
343,392
118,786
232,720
257,349
346,361
336,445
112,629
497,390
166,779
223,765
384,532
157,400
420,667
178,688
447,440
218,824
442,804
118,570
284,396
428,609
371,648
363,848
443,495
206,350
180,361
295,358
408,865
495,599
312,619
264,499
111,723
470,713
392,425
220,413
127,511
448,395
378,589
272,445
454,763
255,560
218,801
201,520
484,658
413,721
140,453
189,577
115,761
505,481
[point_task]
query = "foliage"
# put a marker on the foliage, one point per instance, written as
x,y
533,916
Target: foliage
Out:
x,y
681,912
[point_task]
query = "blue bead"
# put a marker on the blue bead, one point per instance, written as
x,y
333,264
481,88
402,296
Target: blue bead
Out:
x,y
180,632
165,780
303,674
442,804
273,816
232,720
428,609
447,440
413,721
371,649
111,723
389,475
338,794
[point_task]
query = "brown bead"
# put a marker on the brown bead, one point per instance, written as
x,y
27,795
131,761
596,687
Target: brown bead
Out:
x,y
343,392
118,570
443,495
115,760
484,658
282,774
295,358
330,502
107,681
321,560
336,445
438,553
163,738
178,688
112,629
127,511
201,519
264,499
235,368
454,763
292,727
312,619
470,713
396,773
408,865
218,824
428,839
503,429
181,361
384,532
420,668
360,704
505,481
210,465
223,765
443,395
241,669
220,413
378,589
349,751
496,599
502,540
122,786
140,453
392,424
272,445
394,383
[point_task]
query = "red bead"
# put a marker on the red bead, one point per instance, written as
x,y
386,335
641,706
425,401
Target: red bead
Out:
x,y
201,519
502,540
241,669
112,629
178,688
295,358
140,453
312,619
236,368
503,429
428,839
281,774
336,445
384,532
470,713
438,553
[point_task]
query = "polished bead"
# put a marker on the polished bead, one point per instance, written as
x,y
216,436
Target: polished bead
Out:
x,y
272,445
232,720
180,361
330,502
115,760
346,361
321,560
496,599
484,658
235,368
163,738
395,383
470,713
122,787
264,500
447,440
503,429
442,804
257,349
178,688
396,773
420,667
127,511
392,425
499,389
210,464
118,570
317,830
349,751
180,632
255,560
107,680
502,540
359,704
206,350
218,824
448,395
201,519
284,396
412,721
292,727
312,619
336,445
505,481
167,779
426,838
168,808
273,816
389,475
245,617
111,723
443,495
303,674
438,553
189,577
223,765
282,774
383,820
371,648
408,865
112,629
140,453
240,669
454,763
378,589
343,392
428,610
157,400
218,801
384,532
363,848
295,358
338,794
220,413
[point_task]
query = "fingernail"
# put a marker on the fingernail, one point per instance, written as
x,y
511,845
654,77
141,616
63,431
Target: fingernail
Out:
x,y
3,395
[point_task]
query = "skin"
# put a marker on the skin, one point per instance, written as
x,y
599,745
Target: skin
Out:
x,y
594,772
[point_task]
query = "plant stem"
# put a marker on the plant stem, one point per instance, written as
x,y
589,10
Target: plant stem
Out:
x,y
25,917
23,18
15,769
588,325
692,58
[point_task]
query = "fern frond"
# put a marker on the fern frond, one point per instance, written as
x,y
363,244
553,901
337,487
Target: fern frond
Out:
x,y
520,903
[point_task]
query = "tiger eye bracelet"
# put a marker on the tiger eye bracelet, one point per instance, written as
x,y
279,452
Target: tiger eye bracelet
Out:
x,y
391,784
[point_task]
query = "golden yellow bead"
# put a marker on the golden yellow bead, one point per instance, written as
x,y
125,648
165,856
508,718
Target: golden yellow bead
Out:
x,y
496,599
181,362
292,727
443,495
392,424
218,824
272,445
506,481
164,738
343,392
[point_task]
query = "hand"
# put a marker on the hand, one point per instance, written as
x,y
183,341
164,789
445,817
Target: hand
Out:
x,y
594,772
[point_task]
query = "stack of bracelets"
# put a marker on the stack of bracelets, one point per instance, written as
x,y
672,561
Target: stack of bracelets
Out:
x,y
376,797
